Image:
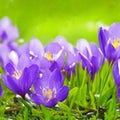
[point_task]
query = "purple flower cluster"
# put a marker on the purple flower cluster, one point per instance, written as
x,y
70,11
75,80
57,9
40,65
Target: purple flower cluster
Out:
x,y
39,71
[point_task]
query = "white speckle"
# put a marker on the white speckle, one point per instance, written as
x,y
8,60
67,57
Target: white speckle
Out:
x,y
21,40
30,58
119,65
40,75
13,57
97,95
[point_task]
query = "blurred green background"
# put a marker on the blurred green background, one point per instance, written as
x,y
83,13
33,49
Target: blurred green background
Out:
x,y
73,19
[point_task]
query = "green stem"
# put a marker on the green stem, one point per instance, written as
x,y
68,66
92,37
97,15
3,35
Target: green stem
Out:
x,y
106,77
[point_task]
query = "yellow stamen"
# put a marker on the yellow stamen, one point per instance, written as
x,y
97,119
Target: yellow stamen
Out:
x,y
44,94
48,95
17,75
49,55
115,43
55,96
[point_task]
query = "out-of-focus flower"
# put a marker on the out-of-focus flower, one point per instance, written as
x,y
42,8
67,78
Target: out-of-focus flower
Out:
x,y
49,89
91,56
4,53
1,91
109,40
19,74
8,32
116,75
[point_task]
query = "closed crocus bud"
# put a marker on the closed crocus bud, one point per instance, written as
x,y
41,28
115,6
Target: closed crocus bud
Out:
x,y
91,56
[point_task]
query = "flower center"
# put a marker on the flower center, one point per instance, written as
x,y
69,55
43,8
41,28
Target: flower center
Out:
x,y
16,74
116,43
49,55
49,94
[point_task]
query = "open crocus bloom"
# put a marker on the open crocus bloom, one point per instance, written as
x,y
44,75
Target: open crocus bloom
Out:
x,y
49,89
116,75
20,75
91,56
109,40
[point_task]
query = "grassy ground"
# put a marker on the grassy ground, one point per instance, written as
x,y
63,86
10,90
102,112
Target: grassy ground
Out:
x,y
72,19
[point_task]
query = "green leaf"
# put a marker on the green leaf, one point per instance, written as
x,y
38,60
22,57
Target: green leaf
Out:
x,y
46,113
26,113
64,107
105,96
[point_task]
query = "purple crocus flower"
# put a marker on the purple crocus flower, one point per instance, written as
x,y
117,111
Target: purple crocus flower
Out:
x,y
91,56
109,40
1,91
69,55
116,75
8,32
34,50
19,74
49,89
54,53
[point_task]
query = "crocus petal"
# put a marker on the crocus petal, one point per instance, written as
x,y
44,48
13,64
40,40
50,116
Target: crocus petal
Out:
x,y
44,63
119,94
62,93
70,59
9,68
37,99
54,48
13,56
84,48
4,55
56,79
5,22
86,63
102,35
97,53
116,72
110,52
11,83
36,47
61,40
95,66
24,49
28,76
114,31
60,59
1,91
43,80
24,61
51,103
